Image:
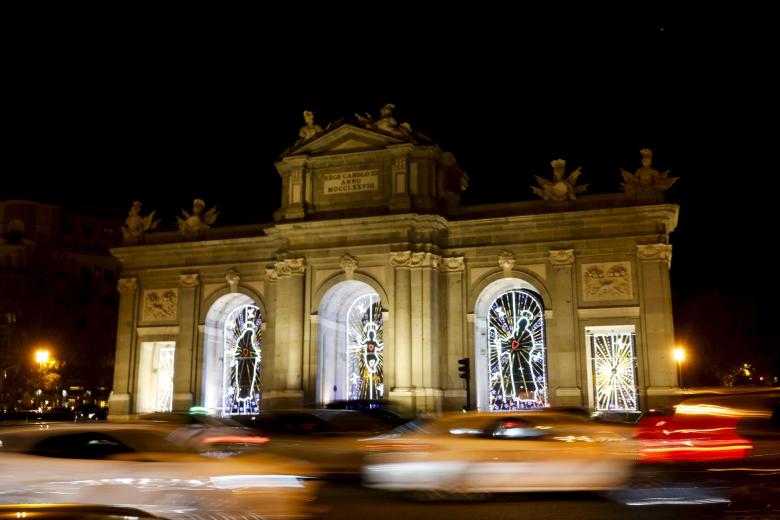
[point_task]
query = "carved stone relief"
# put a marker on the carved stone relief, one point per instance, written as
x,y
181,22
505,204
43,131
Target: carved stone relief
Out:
x,y
160,304
607,281
410,259
506,261
232,277
286,267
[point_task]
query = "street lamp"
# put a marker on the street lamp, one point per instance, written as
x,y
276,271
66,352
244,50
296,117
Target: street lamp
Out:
x,y
679,356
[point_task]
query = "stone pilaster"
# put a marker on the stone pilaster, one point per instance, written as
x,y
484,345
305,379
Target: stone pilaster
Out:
x,y
120,402
400,201
185,354
453,333
417,304
655,302
288,370
403,321
565,379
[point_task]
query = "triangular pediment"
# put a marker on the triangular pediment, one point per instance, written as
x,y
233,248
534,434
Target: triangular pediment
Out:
x,y
346,138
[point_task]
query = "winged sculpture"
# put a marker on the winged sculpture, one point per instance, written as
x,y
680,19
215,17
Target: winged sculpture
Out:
x,y
559,189
646,182
137,225
197,221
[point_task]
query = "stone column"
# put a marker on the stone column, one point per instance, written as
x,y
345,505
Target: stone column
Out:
x,y
402,320
184,355
288,390
120,402
270,351
453,332
564,366
659,370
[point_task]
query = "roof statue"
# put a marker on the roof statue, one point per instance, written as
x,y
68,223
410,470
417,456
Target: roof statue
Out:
x,y
647,183
386,122
198,221
559,189
136,225
310,130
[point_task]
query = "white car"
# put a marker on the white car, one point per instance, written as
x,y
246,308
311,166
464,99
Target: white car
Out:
x,y
502,452
137,465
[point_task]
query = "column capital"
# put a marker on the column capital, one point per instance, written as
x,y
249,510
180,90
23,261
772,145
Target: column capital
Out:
x,y
648,252
188,280
561,257
126,285
285,268
410,259
452,264
349,265
232,277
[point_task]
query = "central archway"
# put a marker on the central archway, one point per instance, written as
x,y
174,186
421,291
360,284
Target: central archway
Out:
x,y
511,350
350,343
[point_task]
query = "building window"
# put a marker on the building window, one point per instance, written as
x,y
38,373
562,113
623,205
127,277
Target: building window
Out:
x,y
517,352
165,378
365,345
613,367
243,361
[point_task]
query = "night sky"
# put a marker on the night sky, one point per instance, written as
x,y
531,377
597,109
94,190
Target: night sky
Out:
x,y
170,107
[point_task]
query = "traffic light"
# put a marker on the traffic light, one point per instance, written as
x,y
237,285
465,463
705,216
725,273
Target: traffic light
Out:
x,y
464,369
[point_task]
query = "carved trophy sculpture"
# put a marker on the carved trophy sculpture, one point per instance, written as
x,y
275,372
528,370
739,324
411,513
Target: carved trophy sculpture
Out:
x,y
136,225
198,221
647,184
386,122
559,189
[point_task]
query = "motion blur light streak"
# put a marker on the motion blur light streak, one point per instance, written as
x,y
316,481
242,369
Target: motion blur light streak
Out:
x,y
719,411
256,481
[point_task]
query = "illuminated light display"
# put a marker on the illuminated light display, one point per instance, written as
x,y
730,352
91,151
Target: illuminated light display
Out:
x,y
365,346
242,361
517,352
165,379
614,369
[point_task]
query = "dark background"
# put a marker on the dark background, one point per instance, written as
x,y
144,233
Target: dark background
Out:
x,y
103,108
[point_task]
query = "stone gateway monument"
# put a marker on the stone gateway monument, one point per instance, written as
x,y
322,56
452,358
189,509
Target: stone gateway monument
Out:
x,y
374,281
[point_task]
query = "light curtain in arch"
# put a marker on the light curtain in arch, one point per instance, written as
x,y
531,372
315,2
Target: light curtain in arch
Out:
x,y
517,351
365,347
242,361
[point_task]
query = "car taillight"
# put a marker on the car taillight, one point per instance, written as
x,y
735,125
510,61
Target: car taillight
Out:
x,y
235,439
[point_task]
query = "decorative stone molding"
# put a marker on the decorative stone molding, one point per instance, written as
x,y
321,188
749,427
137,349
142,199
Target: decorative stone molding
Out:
x,y
452,264
188,280
127,284
349,264
409,259
506,261
655,252
562,256
270,274
232,277
607,281
160,304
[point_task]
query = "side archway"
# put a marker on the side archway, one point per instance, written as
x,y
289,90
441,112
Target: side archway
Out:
x,y
241,317
510,360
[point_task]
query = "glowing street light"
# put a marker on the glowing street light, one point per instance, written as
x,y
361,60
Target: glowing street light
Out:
x,y
679,356
41,357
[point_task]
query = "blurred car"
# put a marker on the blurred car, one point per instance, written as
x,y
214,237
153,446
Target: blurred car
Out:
x,y
138,465
729,443
90,412
502,452
390,414
16,417
71,512
331,439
